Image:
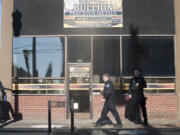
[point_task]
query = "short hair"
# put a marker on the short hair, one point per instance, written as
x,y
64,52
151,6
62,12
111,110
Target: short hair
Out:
x,y
106,75
137,69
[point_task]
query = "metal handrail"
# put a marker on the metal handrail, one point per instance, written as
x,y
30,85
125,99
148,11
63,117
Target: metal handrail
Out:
x,y
153,77
38,78
62,78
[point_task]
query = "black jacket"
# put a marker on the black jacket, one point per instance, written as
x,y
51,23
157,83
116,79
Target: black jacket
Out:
x,y
108,92
137,91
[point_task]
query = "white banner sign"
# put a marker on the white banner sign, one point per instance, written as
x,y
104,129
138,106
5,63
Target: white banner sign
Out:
x,y
93,13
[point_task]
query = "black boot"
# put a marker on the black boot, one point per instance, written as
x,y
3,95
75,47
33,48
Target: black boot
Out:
x,y
118,126
146,123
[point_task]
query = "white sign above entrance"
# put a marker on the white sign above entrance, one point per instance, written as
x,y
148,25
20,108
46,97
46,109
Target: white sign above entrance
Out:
x,y
93,13
79,71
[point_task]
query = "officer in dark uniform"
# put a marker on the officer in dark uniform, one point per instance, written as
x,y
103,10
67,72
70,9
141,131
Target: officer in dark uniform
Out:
x,y
109,104
137,83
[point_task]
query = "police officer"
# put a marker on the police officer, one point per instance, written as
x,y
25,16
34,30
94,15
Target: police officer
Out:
x,y
137,83
109,104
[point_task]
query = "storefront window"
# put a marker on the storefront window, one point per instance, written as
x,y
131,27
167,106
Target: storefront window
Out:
x,y
153,55
79,49
38,57
106,58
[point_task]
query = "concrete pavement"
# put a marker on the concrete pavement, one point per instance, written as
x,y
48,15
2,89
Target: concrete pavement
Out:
x,y
83,124
85,127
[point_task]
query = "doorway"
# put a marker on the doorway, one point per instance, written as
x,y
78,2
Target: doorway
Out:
x,y
80,89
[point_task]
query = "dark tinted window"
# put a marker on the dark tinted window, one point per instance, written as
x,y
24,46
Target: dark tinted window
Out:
x,y
79,49
153,55
106,57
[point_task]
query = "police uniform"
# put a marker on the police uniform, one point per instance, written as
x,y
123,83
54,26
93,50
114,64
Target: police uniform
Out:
x,y
138,97
109,104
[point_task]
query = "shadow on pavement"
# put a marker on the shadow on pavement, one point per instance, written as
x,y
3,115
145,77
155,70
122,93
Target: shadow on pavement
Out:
x,y
7,123
142,131
145,130
172,126
152,131
24,131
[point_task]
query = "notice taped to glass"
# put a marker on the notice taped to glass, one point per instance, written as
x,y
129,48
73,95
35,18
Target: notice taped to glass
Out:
x,y
93,13
79,71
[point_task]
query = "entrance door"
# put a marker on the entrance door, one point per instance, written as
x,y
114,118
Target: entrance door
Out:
x,y
80,90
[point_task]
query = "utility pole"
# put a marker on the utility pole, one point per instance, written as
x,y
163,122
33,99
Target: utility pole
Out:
x,y
34,57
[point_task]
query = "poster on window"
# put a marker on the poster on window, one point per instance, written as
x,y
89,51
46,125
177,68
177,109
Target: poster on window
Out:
x,y
93,13
79,71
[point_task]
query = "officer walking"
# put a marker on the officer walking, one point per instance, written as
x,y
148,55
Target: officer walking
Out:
x,y
137,83
109,104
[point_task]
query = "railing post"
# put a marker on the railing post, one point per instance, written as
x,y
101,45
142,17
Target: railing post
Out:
x,y
49,115
72,116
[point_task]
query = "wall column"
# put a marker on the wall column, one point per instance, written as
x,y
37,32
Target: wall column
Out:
x,y
177,52
6,46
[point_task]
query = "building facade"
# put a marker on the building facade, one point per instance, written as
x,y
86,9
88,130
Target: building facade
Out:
x,y
46,55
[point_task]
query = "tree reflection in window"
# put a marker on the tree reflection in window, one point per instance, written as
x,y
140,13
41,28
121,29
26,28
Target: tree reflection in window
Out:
x,y
43,57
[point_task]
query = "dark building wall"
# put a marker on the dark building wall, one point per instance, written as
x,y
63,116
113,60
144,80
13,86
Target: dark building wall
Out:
x,y
45,17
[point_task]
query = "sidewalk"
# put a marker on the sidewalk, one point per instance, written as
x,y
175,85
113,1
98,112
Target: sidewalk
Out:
x,y
85,127
84,124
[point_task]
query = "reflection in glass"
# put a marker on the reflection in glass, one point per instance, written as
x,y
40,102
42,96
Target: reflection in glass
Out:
x,y
38,57
106,58
79,49
153,55
50,57
22,57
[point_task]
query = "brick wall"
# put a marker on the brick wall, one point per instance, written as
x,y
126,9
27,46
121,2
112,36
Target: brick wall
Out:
x,y
36,107
159,107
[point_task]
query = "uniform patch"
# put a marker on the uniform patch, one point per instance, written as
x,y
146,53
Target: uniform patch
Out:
x,y
107,85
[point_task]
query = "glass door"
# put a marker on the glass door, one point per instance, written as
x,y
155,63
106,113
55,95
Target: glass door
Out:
x,y
79,89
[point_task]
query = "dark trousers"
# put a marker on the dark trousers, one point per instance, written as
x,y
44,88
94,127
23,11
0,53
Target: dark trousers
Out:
x,y
109,106
139,102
